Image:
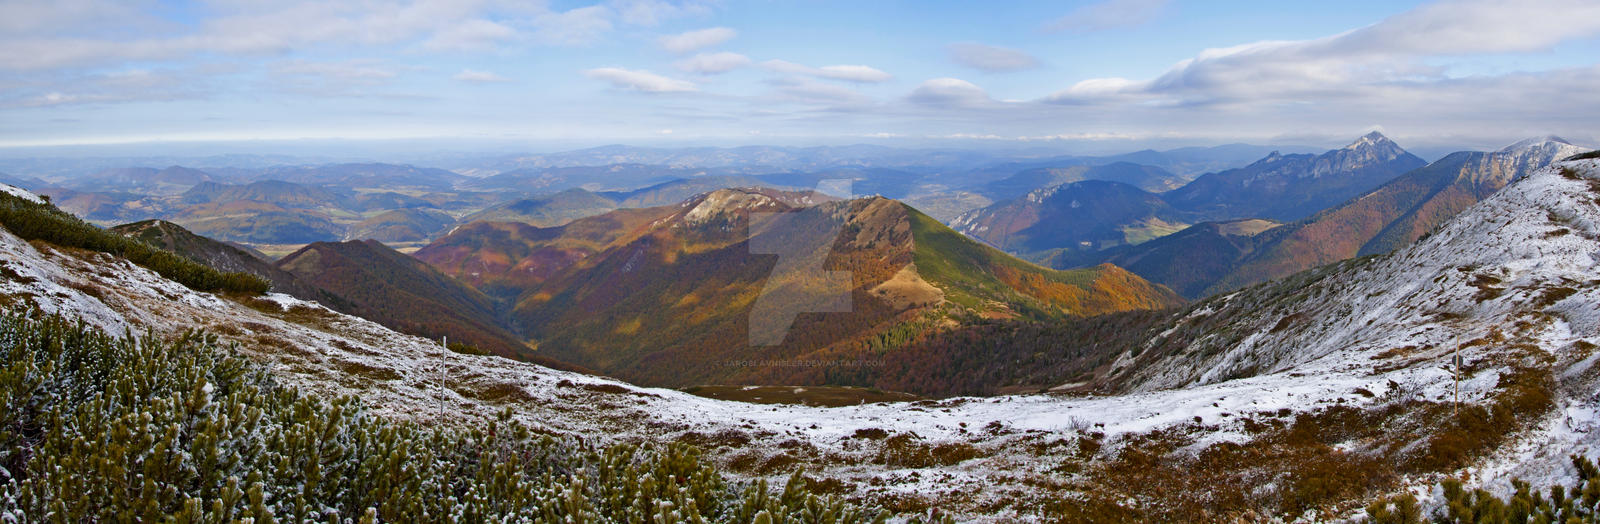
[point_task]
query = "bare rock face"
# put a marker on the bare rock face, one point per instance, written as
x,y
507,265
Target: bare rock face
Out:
x,y
724,202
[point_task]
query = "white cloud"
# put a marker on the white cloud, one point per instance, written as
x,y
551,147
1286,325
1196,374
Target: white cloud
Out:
x,y
853,73
1475,26
1096,88
713,63
1109,14
351,71
56,16
644,81
134,85
469,35
578,26
479,77
70,33
950,92
346,78
696,40
650,13
849,73
249,28
990,58
807,91
1382,58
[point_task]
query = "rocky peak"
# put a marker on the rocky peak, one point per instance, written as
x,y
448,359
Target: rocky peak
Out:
x,y
724,201
1370,141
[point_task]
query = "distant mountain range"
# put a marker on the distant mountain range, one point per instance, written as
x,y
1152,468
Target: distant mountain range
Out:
x,y
1210,258
145,180
1291,187
401,226
1059,224
1148,178
276,203
559,208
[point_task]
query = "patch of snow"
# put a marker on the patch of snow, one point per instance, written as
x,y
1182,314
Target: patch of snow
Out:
x,y
21,193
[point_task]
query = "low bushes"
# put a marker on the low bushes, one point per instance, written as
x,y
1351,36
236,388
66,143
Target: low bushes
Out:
x,y
32,221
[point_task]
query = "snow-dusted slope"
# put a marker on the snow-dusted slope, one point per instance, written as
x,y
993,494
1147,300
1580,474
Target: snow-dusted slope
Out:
x,y
1536,235
1376,325
21,193
1521,265
334,354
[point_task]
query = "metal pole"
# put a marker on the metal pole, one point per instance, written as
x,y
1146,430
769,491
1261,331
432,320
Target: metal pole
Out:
x,y
443,341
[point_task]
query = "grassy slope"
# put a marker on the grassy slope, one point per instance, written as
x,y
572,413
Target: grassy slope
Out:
x,y
401,225
403,293
44,222
673,306
972,273
174,238
547,210
1395,214
505,259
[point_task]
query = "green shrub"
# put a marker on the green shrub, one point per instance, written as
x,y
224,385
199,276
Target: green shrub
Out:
x,y
1578,504
99,429
467,349
44,222
1395,510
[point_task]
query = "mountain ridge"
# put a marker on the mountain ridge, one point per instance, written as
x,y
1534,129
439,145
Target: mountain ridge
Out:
x,y
1276,187
1338,381
406,294
592,292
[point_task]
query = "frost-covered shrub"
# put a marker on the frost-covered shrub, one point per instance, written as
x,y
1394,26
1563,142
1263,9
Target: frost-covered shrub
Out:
x,y
1577,504
100,429
32,221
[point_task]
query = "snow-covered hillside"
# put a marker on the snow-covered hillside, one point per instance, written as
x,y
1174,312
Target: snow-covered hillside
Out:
x,y
1350,336
1519,266
330,353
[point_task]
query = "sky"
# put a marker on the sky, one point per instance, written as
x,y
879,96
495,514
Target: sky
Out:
x,y
1106,75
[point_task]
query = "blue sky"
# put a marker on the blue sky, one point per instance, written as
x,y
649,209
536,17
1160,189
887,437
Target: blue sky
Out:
x,y
1106,75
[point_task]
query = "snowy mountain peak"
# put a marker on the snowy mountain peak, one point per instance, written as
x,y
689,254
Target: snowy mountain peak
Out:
x,y
1535,142
1370,140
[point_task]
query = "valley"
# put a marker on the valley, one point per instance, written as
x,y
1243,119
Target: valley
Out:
x,y
799,262
1296,359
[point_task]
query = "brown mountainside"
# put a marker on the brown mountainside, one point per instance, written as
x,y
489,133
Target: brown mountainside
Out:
x,y
702,293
